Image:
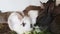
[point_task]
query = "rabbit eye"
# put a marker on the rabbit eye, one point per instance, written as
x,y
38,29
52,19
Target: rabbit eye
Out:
x,y
23,24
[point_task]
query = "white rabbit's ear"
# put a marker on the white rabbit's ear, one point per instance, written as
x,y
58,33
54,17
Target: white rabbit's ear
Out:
x,y
33,14
20,15
14,20
10,24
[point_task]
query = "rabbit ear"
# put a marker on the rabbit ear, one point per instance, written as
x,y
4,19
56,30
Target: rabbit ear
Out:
x,y
20,17
33,14
14,20
42,6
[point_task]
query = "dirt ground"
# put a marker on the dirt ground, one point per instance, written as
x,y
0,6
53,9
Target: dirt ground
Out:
x,y
4,29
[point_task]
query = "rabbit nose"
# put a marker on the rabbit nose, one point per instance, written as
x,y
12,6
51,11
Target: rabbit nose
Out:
x,y
23,24
31,25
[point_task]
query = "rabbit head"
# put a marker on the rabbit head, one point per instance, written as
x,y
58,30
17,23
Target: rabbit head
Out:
x,y
19,23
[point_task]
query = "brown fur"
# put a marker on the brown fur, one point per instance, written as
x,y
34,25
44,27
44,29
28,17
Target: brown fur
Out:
x,y
5,15
55,26
32,8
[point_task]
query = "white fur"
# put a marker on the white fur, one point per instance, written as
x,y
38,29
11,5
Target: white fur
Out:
x,y
33,15
15,24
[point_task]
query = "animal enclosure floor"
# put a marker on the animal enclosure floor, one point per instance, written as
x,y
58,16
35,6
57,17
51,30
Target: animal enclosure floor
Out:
x,y
4,29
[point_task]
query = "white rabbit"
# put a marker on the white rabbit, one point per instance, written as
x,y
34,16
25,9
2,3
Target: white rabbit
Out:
x,y
18,23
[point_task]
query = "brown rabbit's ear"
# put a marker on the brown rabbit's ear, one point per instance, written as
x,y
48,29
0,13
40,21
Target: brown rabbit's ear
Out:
x,y
42,6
